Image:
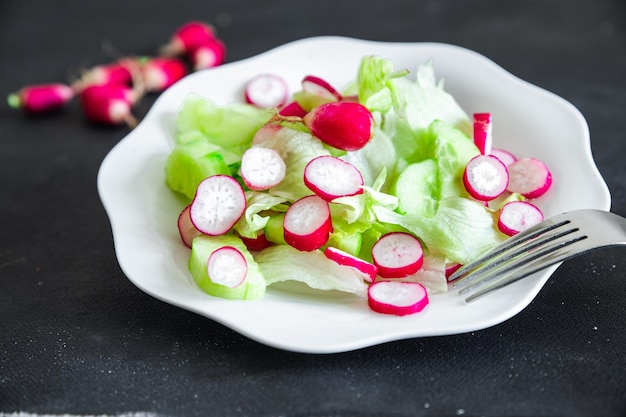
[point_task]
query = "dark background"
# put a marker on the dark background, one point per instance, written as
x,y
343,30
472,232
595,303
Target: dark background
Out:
x,y
77,337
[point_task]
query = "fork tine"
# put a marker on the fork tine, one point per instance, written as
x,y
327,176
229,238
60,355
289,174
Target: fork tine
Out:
x,y
535,240
515,268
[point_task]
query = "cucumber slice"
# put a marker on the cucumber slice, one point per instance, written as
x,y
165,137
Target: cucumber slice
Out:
x,y
418,188
253,287
274,230
187,165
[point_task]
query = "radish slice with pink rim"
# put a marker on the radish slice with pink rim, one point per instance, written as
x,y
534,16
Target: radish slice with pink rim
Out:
x,y
483,138
529,177
186,229
506,157
307,223
266,91
330,177
368,269
227,266
485,177
399,298
262,168
218,204
516,216
319,87
397,255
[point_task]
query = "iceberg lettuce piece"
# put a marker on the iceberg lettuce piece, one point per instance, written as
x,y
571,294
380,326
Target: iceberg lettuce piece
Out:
x,y
284,263
257,202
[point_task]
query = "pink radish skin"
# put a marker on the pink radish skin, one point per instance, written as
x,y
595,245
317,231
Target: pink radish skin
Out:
x,y
344,258
186,229
210,54
120,72
516,216
485,177
292,109
218,204
330,177
319,87
262,168
256,244
344,125
266,91
505,156
266,132
451,268
109,104
529,177
307,223
397,255
397,297
161,72
42,98
227,266
483,132
187,38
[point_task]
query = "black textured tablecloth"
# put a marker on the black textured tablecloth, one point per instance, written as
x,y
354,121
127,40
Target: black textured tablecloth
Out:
x,y
76,337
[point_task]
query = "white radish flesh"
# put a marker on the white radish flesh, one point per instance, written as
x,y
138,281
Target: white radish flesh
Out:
x,y
307,223
503,155
483,138
330,177
218,204
529,177
397,297
262,168
319,87
186,229
227,266
397,255
516,216
485,177
344,258
267,91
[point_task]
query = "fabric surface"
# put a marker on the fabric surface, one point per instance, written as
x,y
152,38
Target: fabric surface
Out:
x,y
77,338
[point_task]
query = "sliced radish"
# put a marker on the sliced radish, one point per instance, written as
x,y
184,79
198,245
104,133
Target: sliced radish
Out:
x,y
529,177
227,266
397,297
307,223
186,228
485,177
266,91
516,216
344,125
483,138
330,177
266,132
256,244
505,156
397,255
218,204
319,87
292,109
344,258
451,268
262,168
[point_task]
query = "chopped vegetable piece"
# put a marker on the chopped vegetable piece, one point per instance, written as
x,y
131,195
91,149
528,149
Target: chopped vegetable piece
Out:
x,y
397,297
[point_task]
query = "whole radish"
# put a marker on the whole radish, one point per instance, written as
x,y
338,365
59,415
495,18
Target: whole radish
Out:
x,y
344,125
122,72
42,98
161,72
187,38
109,104
209,54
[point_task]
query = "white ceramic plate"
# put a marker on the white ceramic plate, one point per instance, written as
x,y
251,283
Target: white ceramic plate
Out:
x,y
528,121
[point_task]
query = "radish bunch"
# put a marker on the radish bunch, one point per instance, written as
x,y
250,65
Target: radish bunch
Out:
x,y
108,93
496,172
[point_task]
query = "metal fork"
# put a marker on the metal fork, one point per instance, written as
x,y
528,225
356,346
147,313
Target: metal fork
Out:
x,y
554,240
